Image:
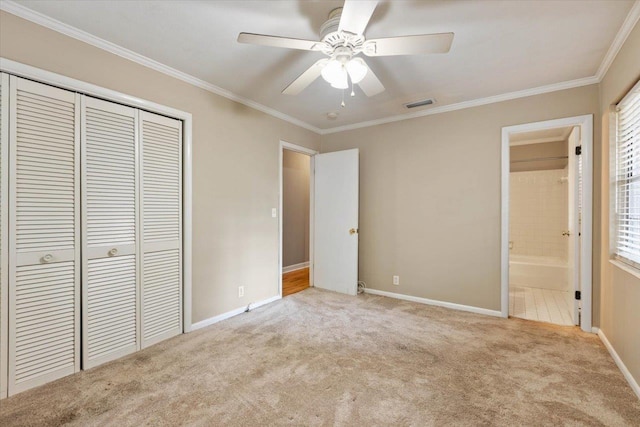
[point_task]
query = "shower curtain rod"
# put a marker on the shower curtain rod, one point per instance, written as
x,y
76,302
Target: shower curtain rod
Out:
x,y
540,159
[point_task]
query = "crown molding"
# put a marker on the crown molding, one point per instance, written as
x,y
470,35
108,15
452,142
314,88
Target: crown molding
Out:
x,y
469,104
627,26
14,8
68,30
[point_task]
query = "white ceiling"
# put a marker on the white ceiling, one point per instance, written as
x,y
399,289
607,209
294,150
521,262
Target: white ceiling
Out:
x,y
499,47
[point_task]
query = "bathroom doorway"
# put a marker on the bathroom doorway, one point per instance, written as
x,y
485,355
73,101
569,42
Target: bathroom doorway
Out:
x,y
546,224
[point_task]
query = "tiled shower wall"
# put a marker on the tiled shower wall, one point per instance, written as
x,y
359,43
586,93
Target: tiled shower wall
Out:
x,y
538,213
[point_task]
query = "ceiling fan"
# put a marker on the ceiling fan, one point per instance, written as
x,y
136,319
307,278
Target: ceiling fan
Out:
x,y
342,39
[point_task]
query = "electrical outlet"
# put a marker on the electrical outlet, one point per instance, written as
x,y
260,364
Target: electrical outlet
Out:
x,y
274,212
396,280
240,291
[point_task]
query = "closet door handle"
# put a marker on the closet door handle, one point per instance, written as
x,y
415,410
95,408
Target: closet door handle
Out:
x,y
113,252
46,259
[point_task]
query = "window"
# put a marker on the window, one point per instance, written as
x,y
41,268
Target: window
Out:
x,y
627,178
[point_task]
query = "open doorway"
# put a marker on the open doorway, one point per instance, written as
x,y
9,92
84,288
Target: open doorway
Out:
x,y
546,221
333,206
540,259
296,208
296,169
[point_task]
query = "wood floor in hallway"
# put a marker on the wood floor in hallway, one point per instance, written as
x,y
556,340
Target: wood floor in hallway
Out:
x,y
295,281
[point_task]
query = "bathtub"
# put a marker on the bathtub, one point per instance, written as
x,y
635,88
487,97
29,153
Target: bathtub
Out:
x,y
538,272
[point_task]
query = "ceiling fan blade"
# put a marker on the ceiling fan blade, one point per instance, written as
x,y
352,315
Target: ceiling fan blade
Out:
x,y
355,15
306,78
409,45
275,41
370,84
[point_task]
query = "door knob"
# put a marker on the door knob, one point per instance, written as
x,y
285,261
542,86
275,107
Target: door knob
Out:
x,y
566,233
353,231
113,252
46,259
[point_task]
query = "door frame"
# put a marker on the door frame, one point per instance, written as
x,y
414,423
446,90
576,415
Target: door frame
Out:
x,y
284,145
585,123
4,236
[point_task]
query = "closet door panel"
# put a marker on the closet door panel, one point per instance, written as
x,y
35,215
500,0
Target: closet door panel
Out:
x,y
162,295
161,140
110,264
44,248
4,259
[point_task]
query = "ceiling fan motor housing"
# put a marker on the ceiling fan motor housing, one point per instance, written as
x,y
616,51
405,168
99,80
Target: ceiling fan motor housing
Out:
x,y
331,24
330,35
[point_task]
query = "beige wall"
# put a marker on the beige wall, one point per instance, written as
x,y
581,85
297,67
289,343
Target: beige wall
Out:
x,y
620,293
235,163
430,196
542,150
295,208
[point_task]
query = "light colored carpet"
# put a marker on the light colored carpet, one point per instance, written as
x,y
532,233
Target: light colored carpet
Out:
x,y
320,358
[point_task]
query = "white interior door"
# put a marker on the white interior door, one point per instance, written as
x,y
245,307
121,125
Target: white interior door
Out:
x,y
161,151
335,254
44,238
574,224
109,232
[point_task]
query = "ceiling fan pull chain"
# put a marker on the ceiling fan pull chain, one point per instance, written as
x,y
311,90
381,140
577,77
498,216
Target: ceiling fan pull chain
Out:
x,y
351,83
342,104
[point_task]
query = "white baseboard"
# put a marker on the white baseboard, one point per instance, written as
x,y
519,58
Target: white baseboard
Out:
x,y
427,301
210,321
295,267
623,368
595,330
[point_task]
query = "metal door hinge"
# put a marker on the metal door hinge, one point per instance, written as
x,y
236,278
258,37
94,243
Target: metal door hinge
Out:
x,y
578,295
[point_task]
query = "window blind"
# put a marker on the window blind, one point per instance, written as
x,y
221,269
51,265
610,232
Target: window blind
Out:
x,y
627,178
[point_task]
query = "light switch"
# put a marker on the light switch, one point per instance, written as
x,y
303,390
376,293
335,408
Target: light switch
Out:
x,y
274,212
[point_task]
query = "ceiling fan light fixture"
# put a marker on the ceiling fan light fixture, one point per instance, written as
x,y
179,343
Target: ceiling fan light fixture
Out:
x,y
356,69
343,83
335,74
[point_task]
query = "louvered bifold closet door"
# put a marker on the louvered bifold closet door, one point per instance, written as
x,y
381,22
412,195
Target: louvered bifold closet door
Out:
x,y
44,237
4,254
161,151
109,232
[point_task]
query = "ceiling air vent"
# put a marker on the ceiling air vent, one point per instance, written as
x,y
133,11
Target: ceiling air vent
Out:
x,y
422,103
